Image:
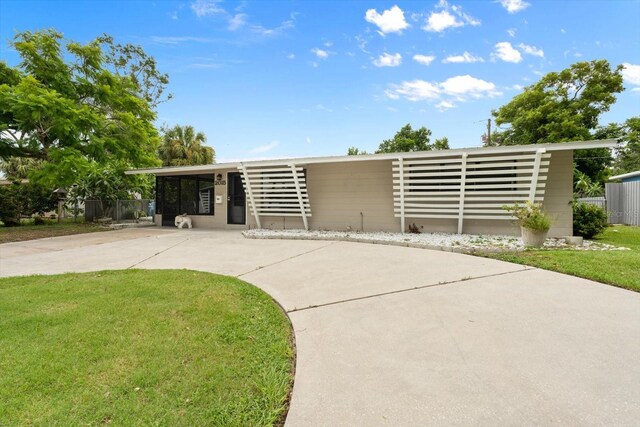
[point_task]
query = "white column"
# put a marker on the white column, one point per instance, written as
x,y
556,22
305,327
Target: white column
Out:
x,y
463,180
401,170
535,174
248,190
300,199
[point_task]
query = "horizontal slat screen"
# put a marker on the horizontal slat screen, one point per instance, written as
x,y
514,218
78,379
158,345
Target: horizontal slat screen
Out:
x,y
276,191
467,186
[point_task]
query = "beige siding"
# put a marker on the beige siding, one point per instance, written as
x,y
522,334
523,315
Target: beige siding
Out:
x,y
559,193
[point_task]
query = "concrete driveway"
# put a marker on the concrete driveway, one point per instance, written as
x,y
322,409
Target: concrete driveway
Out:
x,y
400,336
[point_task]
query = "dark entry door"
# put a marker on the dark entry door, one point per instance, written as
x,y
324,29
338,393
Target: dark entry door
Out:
x,y
171,200
236,199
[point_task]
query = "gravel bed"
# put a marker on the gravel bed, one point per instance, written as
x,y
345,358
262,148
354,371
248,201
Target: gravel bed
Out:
x,y
463,243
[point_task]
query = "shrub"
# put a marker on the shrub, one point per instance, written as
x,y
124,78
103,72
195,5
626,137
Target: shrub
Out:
x,y
588,220
530,215
38,220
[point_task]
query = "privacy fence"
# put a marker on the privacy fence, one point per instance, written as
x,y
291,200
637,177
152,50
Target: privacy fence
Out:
x,y
120,210
622,202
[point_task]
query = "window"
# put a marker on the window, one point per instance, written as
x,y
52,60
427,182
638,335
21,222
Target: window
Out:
x,y
190,194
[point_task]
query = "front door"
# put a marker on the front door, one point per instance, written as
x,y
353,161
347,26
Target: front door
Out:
x,y
171,200
236,199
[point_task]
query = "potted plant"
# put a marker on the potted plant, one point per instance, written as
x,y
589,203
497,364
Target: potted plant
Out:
x,y
534,222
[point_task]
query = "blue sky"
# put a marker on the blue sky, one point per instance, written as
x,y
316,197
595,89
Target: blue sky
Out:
x,y
307,78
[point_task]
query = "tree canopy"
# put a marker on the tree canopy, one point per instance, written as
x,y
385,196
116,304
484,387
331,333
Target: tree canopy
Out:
x,y
182,145
68,105
562,106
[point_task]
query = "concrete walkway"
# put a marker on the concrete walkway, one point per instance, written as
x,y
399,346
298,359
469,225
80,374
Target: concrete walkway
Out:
x,y
400,336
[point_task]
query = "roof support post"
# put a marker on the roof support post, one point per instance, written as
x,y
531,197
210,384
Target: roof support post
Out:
x,y
296,181
401,169
534,174
463,179
248,190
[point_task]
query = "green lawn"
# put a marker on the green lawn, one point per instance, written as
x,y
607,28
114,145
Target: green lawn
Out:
x,y
28,231
134,347
618,268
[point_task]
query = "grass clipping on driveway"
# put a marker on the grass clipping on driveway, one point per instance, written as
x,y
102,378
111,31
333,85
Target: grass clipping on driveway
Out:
x,y
169,347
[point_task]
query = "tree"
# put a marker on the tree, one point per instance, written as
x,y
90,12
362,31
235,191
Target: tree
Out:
x,y
628,159
107,183
181,145
69,105
355,151
441,143
17,168
562,106
17,200
407,139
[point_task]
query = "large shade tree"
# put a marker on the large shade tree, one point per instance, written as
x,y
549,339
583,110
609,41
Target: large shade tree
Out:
x,y
69,105
564,106
182,145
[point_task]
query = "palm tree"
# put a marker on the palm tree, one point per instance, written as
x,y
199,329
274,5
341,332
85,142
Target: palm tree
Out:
x,y
181,146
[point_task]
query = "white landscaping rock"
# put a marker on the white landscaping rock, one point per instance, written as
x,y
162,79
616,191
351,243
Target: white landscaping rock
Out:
x,y
440,241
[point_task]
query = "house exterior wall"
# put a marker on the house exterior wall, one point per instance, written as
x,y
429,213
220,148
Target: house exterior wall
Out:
x,y
358,196
559,193
219,218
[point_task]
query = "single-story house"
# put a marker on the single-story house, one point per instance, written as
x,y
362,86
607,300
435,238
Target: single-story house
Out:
x,y
459,190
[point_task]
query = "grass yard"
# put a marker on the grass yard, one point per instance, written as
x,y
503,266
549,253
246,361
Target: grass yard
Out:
x,y
30,231
135,347
618,268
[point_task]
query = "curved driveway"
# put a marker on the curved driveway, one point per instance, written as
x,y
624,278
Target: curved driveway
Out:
x,y
395,336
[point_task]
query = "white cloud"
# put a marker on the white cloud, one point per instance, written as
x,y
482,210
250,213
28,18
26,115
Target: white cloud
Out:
x,y
457,88
512,32
465,57
264,148
320,53
448,17
291,56
631,74
323,108
506,52
468,86
237,21
206,7
514,6
389,21
307,140
328,44
388,60
531,50
423,59
173,15
444,105
415,90
270,32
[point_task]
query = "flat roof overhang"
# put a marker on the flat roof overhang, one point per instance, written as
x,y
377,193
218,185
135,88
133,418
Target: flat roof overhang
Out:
x,y
560,146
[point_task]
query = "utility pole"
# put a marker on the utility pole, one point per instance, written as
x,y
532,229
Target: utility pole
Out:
x,y
489,132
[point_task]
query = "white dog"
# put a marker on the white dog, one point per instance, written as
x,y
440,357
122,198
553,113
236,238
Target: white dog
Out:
x,y
182,220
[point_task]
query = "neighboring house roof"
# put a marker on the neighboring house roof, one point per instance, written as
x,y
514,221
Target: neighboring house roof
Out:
x,y
563,146
625,175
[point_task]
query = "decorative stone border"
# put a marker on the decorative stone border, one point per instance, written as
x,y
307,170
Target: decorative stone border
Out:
x,y
473,244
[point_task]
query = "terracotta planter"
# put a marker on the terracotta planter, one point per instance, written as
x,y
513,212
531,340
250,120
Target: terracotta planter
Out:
x,y
533,238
